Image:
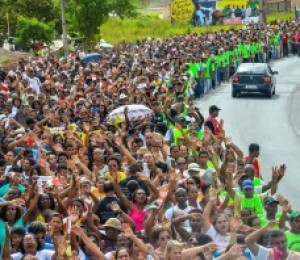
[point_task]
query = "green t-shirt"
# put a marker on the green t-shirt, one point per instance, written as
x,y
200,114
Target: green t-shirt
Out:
x,y
226,58
252,49
177,135
208,69
213,64
193,68
293,241
264,221
18,223
254,204
219,61
244,51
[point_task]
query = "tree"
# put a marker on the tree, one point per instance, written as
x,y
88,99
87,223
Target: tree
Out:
x,y
87,16
43,10
30,31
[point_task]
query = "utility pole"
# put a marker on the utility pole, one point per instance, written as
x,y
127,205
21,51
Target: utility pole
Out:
x,y
64,28
262,11
8,25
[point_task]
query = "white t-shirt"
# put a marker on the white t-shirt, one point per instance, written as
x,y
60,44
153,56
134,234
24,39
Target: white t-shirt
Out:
x,y
264,253
43,254
220,240
170,212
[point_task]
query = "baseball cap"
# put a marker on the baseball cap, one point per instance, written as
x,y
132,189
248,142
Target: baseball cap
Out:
x,y
269,200
180,119
213,108
294,215
247,184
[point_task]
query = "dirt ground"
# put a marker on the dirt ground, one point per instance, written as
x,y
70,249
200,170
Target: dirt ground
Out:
x,y
7,58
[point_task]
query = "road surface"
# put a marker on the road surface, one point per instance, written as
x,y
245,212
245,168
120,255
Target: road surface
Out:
x,y
272,123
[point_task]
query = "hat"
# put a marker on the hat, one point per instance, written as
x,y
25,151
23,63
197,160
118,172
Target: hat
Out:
x,y
122,96
113,223
195,168
269,200
213,108
180,119
294,215
31,95
247,184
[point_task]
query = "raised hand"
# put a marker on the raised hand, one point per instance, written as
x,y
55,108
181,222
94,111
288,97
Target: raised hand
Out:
x,y
271,224
235,224
235,251
213,195
61,245
275,174
74,214
222,123
228,142
163,192
118,140
142,177
211,150
115,207
77,230
127,230
211,246
286,207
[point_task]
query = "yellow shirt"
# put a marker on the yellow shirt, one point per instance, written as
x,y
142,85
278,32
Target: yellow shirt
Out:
x,y
121,176
97,193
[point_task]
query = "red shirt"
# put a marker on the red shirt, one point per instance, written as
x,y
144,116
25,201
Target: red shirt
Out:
x,y
216,125
298,38
293,37
255,164
284,38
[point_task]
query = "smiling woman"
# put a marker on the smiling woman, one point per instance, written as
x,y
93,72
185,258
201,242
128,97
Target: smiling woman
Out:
x,y
31,246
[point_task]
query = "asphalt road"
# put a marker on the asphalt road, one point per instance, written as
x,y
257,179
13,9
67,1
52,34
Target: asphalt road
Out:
x,y
272,123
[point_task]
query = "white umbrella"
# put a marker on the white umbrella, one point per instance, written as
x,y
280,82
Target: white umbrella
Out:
x,y
134,111
105,44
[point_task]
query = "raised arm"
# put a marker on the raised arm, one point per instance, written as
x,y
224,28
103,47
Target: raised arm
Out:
x,y
138,242
118,142
206,224
251,240
31,208
89,244
118,191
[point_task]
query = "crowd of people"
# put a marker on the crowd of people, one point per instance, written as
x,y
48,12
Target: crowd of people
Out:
x,y
76,183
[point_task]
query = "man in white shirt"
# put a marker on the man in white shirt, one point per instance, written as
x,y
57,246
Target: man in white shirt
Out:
x,y
34,82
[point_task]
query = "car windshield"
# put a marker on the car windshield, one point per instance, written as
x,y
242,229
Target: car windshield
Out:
x,y
252,68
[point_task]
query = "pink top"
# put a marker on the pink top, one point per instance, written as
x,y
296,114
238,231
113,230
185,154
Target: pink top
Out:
x,y
138,217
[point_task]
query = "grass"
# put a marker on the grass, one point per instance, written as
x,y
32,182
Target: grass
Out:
x,y
280,16
116,30
131,30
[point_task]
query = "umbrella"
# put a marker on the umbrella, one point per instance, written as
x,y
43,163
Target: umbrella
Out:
x,y
134,111
105,44
91,57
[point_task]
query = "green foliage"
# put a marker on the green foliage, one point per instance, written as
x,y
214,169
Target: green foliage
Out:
x,y
31,30
43,10
85,17
280,16
123,8
116,30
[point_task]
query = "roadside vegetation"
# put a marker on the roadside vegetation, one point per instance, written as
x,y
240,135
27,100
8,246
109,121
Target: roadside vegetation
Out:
x,y
116,30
